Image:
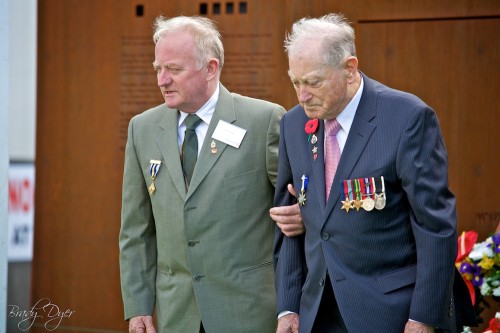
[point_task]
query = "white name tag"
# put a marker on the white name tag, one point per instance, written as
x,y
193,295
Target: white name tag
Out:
x,y
230,134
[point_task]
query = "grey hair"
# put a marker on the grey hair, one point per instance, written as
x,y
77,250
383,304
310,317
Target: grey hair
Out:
x,y
333,30
207,37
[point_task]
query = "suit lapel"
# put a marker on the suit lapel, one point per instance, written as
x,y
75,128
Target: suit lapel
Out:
x,y
359,135
167,143
224,110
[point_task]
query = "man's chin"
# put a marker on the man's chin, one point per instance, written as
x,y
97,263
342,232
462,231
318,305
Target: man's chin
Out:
x,y
311,113
170,104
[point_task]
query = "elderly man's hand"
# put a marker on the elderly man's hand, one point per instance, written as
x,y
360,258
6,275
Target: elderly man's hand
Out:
x,y
141,324
288,218
288,324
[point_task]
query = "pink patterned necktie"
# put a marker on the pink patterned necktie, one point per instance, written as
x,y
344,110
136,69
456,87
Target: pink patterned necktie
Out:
x,y
332,153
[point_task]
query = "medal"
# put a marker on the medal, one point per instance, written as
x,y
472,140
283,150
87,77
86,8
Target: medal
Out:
x,y
357,203
302,199
303,188
314,139
151,188
347,203
153,171
380,199
368,202
315,152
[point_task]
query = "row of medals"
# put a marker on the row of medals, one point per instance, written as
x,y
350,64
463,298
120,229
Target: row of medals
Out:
x,y
368,203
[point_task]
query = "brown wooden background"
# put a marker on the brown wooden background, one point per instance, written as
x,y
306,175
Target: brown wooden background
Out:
x,y
94,73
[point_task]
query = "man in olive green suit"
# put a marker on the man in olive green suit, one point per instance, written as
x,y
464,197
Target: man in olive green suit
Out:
x,y
198,248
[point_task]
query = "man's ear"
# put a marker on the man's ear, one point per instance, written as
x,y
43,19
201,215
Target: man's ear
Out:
x,y
212,68
351,67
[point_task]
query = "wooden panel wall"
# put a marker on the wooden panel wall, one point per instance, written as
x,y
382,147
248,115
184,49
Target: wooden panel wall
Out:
x,y
455,73
95,73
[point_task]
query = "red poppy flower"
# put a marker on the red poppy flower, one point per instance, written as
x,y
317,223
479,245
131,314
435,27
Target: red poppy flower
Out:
x,y
466,242
311,126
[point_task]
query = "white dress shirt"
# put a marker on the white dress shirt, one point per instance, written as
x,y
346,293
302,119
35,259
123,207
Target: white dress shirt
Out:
x,y
205,113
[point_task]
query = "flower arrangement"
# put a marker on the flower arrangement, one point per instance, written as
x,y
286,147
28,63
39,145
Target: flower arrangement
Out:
x,y
479,264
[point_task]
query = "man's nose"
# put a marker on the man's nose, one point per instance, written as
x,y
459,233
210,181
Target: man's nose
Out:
x,y
303,94
164,78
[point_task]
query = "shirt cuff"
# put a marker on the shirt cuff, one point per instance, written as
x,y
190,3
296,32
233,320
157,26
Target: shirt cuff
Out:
x,y
284,313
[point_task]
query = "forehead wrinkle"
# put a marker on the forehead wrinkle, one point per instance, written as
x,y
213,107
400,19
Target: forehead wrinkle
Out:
x,y
317,74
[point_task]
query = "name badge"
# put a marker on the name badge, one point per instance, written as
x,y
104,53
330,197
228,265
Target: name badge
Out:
x,y
229,134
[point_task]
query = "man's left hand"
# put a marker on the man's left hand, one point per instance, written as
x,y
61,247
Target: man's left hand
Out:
x,y
415,327
288,218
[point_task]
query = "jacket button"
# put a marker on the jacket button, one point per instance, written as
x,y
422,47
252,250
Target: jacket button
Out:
x,y
321,282
325,236
197,277
192,243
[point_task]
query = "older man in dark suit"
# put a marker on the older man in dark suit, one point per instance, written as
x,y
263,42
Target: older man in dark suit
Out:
x,y
370,168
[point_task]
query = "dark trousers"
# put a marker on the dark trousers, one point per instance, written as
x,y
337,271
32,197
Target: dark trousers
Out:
x,y
328,318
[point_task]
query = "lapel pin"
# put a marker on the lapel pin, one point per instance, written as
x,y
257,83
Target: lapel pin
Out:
x,y
213,147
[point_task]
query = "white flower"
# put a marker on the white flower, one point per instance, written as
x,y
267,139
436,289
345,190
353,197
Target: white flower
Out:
x,y
493,283
485,289
481,249
496,292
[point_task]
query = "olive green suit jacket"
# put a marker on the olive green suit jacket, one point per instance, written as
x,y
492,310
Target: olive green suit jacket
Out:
x,y
203,253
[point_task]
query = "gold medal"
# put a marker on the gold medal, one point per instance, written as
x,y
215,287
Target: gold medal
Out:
x,y
346,204
151,188
357,204
153,171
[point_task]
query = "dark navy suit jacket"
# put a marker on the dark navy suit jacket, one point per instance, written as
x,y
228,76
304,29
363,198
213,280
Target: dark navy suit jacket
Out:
x,y
388,265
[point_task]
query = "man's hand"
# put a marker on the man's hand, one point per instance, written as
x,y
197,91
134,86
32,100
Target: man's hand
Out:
x,y
141,324
288,218
288,324
415,327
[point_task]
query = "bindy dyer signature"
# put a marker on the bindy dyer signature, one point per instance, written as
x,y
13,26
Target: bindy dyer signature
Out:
x,y
44,310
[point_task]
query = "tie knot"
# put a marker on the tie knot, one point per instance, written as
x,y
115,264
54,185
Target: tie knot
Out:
x,y
192,121
332,127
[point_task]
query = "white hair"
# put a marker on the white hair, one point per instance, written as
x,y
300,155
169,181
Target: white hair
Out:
x,y
334,32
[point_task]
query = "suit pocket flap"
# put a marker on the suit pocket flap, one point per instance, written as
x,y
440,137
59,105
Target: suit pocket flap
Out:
x,y
396,279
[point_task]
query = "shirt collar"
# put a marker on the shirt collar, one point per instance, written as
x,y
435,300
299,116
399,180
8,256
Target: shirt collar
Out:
x,y
206,111
346,117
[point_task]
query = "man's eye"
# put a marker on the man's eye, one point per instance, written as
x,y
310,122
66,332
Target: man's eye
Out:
x,y
174,70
